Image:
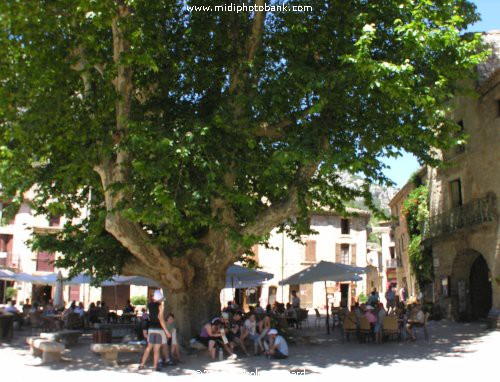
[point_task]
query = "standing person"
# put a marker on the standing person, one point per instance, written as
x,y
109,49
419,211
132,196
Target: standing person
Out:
x,y
157,330
295,300
278,348
390,297
403,294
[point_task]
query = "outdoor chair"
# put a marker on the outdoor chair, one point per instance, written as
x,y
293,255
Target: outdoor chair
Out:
x,y
303,316
390,327
74,321
319,318
292,319
423,327
349,325
35,321
365,329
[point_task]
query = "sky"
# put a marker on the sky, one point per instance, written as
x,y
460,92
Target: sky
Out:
x,y
402,167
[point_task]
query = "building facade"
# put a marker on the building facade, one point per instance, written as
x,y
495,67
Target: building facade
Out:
x,y
401,237
463,231
338,239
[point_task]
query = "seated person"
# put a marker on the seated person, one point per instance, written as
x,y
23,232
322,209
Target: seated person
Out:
x,y
291,316
26,306
103,311
129,308
11,308
259,309
93,313
211,337
358,310
372,319
278,348
80,309
49,308
251,333
237,330
263,328
172,341
417,318
381,313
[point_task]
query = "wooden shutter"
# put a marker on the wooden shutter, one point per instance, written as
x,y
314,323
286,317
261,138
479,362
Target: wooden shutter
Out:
x,y
255,250
74,293
311,250
353,254
10,242
3,243
337,253
45,261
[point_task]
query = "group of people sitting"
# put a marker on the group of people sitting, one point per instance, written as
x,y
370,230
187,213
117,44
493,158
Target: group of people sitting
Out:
x,y
408,317
231,330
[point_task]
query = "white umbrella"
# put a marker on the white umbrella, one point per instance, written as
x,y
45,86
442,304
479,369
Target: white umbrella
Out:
x,y
325,271
58,294
8,275
242,277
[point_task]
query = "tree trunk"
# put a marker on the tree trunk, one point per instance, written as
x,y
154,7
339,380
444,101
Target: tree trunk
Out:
x,y
196,304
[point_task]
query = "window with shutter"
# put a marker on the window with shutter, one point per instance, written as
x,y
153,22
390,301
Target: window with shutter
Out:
x,y
45,261
74,293
353,254
6,243
55,221
345,227
311,250
344,253
337,253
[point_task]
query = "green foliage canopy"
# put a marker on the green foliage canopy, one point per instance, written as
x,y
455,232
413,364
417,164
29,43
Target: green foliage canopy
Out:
x,y
216,121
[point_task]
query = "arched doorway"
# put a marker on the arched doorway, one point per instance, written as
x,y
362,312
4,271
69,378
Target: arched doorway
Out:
x,y
480,288
471,290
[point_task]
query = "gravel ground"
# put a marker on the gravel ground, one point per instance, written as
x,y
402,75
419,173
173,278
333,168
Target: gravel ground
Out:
x,y
456,351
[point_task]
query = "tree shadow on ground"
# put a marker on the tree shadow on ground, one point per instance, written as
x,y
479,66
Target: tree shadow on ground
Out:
x,y
447,339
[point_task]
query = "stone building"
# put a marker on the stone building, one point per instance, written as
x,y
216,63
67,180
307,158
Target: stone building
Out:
x,y
338,239
382,259
17,256
463,231
401,236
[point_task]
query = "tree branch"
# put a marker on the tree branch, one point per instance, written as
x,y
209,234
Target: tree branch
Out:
x,y
251,48
274,215
274,131
257,28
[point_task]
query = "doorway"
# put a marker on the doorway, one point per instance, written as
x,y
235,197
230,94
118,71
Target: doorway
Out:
x,y
480,288
41,294
344,295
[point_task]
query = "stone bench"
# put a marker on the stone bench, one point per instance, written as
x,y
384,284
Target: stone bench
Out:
x,y
50,351
67,337
109,352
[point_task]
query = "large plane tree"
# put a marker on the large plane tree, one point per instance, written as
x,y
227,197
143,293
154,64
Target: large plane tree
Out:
x,y
190,135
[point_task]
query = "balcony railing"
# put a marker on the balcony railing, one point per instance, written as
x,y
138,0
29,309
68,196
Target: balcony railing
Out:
x,y
476,212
